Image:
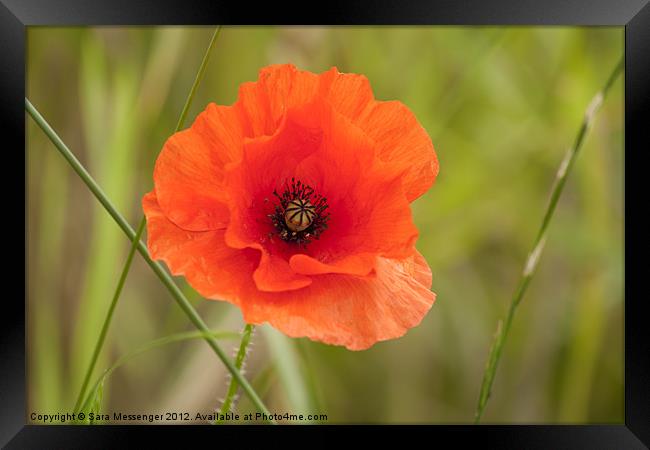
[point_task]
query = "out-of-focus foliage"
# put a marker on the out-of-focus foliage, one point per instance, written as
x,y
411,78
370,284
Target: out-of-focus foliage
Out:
x,y
502,105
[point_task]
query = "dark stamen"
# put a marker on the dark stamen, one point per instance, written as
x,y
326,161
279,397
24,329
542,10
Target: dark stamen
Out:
x,y
301,215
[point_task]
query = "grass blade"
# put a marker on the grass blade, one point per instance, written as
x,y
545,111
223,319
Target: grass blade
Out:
x,y
109,317
533,257
94,398
197,79
166,279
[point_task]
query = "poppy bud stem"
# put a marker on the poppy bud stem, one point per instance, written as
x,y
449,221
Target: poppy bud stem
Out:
x,y
231,395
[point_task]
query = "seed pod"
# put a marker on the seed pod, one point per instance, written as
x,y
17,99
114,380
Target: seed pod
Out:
x,y
299,214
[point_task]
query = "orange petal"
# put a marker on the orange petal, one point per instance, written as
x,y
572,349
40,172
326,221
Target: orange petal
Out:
x,y
388,229
262,104
272,273
355,312
215,270
401,140
357,264
188,175
403,143
275,275
349,93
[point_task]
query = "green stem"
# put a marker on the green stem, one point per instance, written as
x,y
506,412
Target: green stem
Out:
x,y
533,257
109,317
197,79
166,279
239,362
160,342
141,227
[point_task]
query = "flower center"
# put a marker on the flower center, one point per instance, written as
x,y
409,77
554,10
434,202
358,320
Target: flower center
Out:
x,y
301,215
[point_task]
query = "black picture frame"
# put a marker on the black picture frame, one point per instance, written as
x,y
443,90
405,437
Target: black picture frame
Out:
x,y
634,15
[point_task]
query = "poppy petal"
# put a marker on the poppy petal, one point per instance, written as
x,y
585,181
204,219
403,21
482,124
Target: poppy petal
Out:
x,y
357,264
400,138
212,268
355,312
404,143
189,170
262,104
275,275
349,93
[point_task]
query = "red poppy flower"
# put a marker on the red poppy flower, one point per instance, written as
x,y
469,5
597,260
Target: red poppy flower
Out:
x,y
293,204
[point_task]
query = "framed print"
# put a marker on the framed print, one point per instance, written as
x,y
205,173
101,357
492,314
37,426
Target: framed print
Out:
x,y
421,217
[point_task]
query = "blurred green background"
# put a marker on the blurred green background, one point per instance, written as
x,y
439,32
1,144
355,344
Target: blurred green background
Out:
x,y
502,105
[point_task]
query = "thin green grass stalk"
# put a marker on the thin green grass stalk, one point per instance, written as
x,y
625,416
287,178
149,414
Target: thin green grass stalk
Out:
x,y
197,79
141,228
109,317
160,342
247,334
166,279
533,258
